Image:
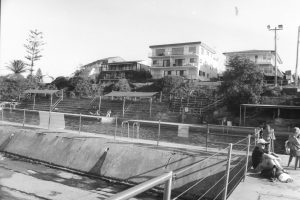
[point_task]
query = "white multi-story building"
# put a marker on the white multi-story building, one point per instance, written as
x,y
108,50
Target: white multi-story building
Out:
x,y
192,60
265,60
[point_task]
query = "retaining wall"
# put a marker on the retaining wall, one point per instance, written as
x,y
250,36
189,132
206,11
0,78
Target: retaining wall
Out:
x,y
116,160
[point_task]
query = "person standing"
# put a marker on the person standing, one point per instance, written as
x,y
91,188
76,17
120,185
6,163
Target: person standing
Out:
x,y
269,136
294,144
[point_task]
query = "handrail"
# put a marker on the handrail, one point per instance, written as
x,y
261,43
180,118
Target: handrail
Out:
x,y
56,103
132,192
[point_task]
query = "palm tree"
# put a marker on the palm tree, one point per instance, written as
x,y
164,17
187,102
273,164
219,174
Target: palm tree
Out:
x,y
17,67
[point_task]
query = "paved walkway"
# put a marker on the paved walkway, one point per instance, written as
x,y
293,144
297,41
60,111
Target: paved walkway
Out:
x,y
257,188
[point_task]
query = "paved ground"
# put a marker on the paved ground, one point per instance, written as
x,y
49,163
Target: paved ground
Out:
x,y
21,180
257,188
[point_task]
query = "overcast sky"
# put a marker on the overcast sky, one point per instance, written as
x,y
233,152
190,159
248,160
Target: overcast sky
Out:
x,y
82,31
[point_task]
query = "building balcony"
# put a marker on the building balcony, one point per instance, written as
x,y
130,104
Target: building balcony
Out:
x,y
170,55
174,66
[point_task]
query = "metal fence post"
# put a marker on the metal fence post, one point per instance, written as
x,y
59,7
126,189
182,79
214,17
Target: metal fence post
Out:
x,y
24,118
79,123
227,171
247,158
168,188
2,115
158,135
116,127
128,129
207,134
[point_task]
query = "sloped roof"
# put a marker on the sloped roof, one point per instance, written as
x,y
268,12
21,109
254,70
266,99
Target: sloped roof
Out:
x,y
130,94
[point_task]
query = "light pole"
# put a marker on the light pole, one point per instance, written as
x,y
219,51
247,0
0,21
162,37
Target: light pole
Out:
x,y
275,29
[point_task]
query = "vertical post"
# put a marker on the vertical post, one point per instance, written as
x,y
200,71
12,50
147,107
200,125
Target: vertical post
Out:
x,y
158,135
128,129
296,69
207,135
168,188
247,158
2,114
24,118
123,106
49,121
160,97
100,101
227,171
116,127
62,94
79,129
150,105
51,99
245,109
275,56
33,102
240,123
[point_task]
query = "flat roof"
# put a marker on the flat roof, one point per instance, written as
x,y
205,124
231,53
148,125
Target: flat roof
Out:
x,y
255,51
130,94
185,43
270,106
40,91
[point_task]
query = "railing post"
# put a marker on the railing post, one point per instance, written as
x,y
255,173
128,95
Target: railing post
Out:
x,y
128,129
207,134
24,118
247,158
227,173
79,123
158,135
2,114
168,188
116,127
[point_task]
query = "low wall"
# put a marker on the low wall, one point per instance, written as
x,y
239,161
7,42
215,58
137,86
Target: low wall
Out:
x,y
116,160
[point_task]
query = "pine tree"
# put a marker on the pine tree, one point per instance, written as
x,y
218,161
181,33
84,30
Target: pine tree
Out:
x,y
33,48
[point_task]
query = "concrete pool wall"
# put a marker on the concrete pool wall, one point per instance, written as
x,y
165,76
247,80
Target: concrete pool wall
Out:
x,y
126,162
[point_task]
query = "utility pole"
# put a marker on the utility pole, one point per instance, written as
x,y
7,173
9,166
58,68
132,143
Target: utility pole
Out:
x,y
279,27
296,70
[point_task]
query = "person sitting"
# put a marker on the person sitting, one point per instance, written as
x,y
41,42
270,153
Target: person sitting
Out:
x,y
108,113
294,144
264,161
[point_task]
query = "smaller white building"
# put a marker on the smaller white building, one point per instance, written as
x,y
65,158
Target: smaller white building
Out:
x,y
265,60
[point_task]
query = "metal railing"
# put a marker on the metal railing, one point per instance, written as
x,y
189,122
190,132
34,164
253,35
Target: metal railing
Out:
x,y
234,173
132,192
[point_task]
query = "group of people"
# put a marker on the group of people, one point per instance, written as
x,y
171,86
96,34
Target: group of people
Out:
x,y
265,161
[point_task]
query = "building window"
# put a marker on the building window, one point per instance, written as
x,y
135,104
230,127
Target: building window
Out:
x,y
177,51
160,52
154,62
207,75
181,72
169,72
192,60
178,62
166,63
192,49
264,57
202,51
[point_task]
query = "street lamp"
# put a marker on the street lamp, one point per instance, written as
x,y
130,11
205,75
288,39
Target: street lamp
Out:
x,y
275,29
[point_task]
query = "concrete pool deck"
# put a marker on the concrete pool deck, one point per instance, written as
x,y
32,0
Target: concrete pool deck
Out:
x,y
256,188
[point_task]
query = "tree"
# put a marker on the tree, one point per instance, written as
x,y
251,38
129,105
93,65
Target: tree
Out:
x,y
84,88
243,83
17,66
33,48
122,85
39,76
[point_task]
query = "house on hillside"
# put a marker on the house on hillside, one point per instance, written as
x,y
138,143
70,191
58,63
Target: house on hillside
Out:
x,y
112,69
265,60
192,60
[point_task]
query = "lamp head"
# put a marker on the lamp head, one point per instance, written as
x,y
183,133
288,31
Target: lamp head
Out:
x,y
268,26
280,26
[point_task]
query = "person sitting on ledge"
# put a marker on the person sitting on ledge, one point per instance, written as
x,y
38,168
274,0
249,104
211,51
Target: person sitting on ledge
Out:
x,y
266,162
